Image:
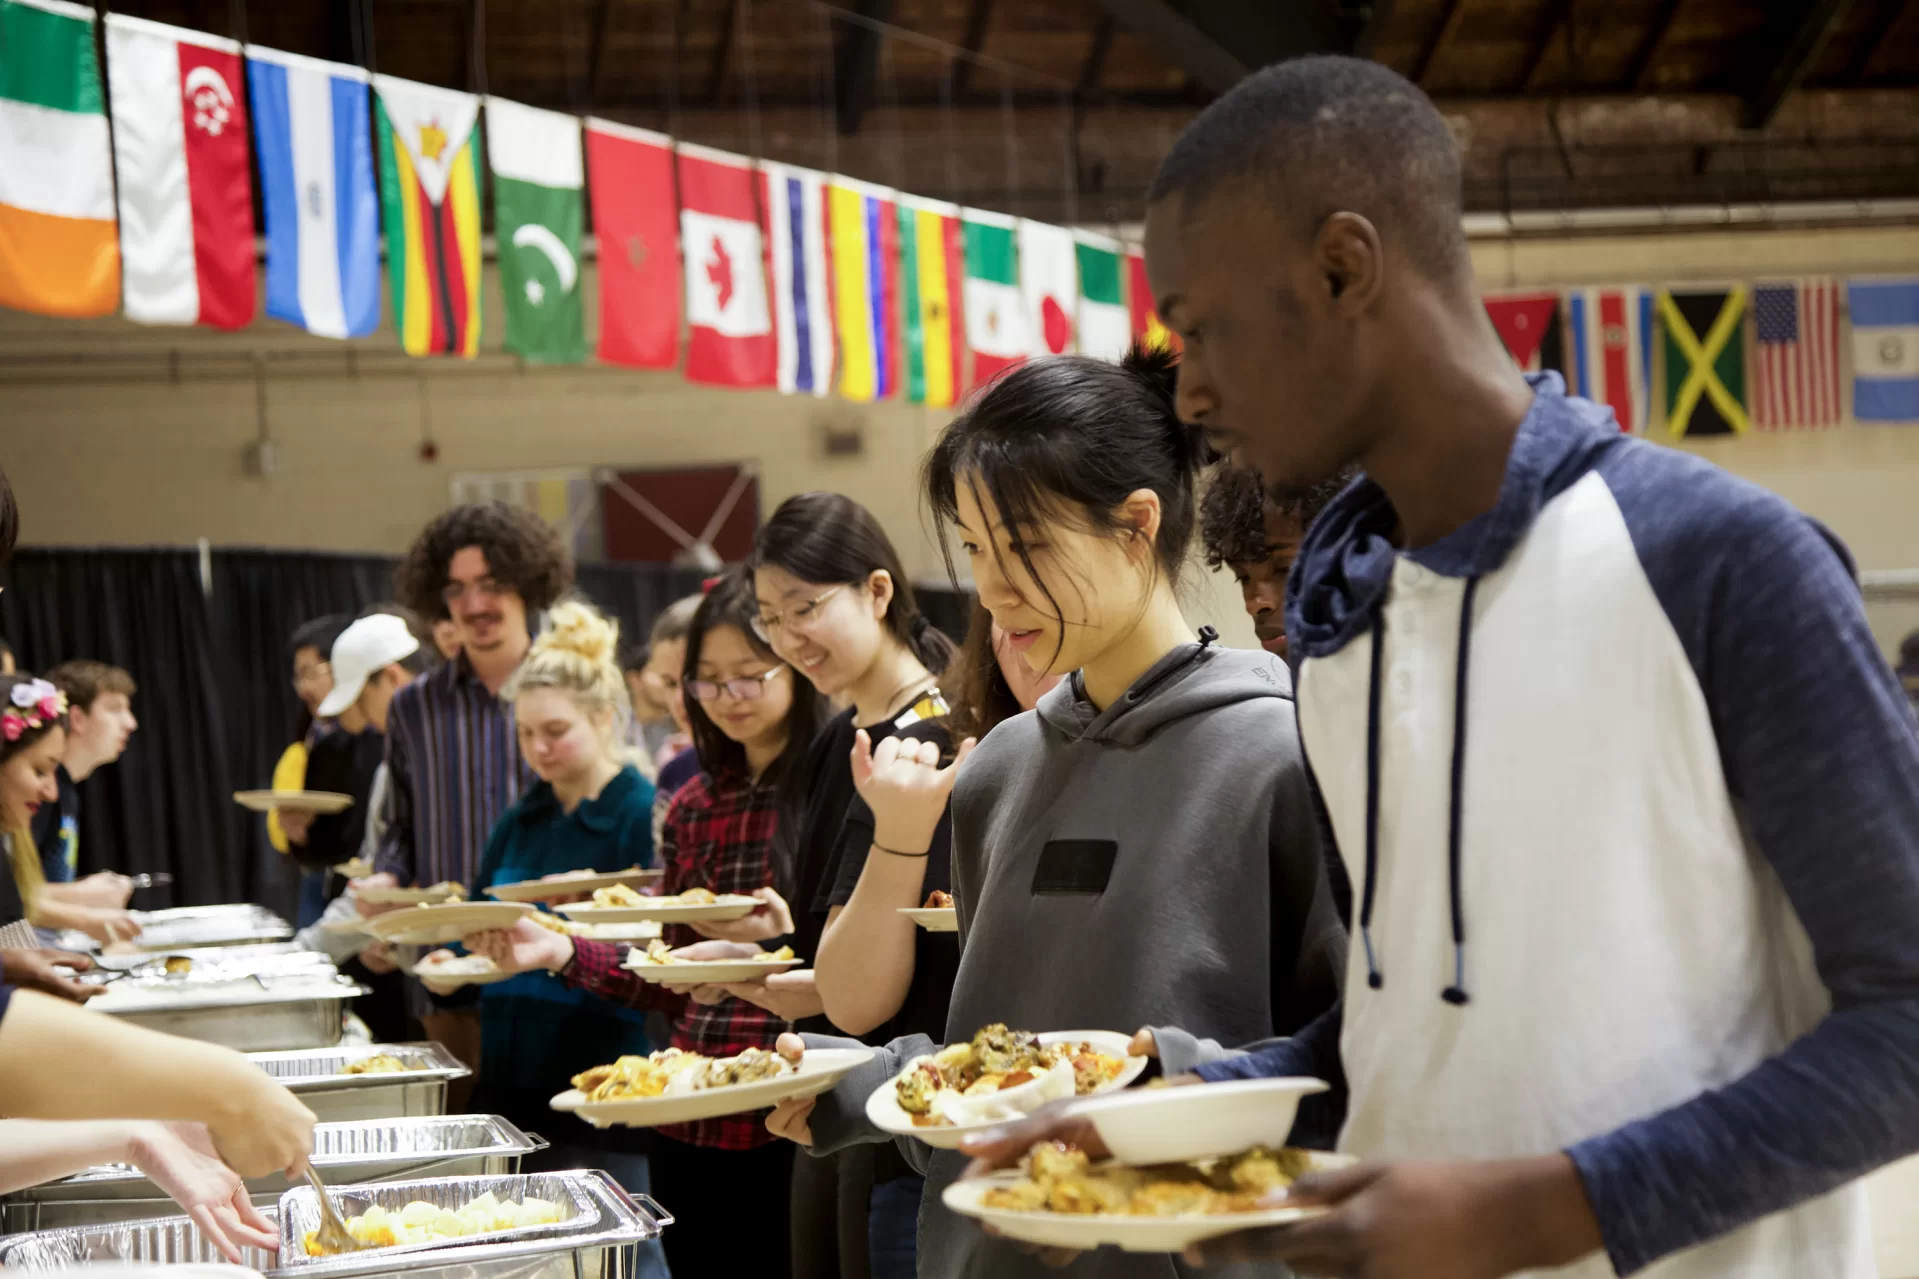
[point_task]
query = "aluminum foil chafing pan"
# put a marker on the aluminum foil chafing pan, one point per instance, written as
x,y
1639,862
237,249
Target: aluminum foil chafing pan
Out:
x,y
316,1075
209,926
273,1015
359,1152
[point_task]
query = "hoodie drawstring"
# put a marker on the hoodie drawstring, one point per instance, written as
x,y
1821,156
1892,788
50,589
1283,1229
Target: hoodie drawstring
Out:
x,y
1455,993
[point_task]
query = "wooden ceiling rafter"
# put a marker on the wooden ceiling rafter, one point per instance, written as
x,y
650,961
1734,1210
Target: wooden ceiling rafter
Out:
x,y
1442,34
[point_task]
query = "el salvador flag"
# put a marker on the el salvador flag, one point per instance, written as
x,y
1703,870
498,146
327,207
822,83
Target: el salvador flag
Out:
x,y
1885,349
312,133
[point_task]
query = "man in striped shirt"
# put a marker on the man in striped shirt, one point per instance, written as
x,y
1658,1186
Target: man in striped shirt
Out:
x,y
453,761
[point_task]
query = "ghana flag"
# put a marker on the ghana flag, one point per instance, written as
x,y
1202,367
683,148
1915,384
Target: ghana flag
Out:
x,y
430,203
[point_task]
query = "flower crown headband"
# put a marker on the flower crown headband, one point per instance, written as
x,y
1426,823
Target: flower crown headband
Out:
x,y
36,703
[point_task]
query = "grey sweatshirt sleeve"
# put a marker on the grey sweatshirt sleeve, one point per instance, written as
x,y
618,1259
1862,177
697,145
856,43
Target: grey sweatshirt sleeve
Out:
x,y
1822,758
839,1117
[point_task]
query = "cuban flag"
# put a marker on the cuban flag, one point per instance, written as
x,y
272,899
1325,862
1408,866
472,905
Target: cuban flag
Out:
x,y
802,308
1885,349
1611,340
312,132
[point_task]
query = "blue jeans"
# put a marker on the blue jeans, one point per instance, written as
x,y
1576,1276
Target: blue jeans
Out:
x,y
312,898
892,1228
630,1170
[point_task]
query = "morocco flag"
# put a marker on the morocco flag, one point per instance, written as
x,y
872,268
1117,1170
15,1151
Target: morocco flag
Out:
x,y
186,196
727,307
430,205
631,172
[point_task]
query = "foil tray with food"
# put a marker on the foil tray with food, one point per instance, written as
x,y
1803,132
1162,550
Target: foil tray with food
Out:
x,y
375,1081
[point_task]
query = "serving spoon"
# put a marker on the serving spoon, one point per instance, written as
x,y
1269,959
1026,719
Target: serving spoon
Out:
x,y
333,1236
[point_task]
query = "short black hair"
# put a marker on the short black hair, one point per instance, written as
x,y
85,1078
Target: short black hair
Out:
x,y
1324,135
9,520
319,635
1232,516
635,658
523,553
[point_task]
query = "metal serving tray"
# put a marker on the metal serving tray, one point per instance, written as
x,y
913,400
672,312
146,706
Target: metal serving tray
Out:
x,y
364,1151
315,1074
302,1014
209,926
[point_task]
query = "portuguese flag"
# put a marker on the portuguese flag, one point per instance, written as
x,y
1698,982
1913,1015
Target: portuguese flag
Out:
x,y
430,207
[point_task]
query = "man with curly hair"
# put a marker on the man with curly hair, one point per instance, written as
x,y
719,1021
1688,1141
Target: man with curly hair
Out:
x,y
1243,527
452,757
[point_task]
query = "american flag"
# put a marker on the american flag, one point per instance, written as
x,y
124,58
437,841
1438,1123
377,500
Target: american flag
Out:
x,y
1797,330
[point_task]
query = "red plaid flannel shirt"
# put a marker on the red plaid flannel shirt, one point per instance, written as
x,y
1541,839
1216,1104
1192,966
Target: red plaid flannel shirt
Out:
x,y
718,835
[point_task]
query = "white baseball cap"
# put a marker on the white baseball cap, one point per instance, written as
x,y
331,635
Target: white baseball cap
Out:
x,y
371,644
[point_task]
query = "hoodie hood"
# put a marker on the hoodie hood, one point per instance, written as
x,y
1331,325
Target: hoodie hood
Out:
x,y
1190,680
1346,561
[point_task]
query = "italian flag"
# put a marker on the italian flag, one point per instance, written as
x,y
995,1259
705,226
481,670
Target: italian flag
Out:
x,y
995,324
1105,327
58,255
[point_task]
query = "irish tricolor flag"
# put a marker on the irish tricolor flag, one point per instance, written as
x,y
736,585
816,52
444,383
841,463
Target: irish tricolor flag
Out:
x,y
995,324
58,255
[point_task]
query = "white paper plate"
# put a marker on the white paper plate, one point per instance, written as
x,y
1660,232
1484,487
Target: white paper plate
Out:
x,y
539,890
642,930
346,926
818,1072
715,971
312,801
433,925
934,919
1133,1234
883,1106
461,971
729,906
432,895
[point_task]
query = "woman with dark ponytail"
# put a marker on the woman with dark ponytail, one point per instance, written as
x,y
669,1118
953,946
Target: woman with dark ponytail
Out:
x,y
1138,851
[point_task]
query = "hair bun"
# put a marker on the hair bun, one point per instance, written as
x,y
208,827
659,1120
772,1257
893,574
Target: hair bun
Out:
x,y
576,627
1157,368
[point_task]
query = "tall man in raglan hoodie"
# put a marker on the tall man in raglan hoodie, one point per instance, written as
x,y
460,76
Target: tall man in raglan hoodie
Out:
x,y
1628,798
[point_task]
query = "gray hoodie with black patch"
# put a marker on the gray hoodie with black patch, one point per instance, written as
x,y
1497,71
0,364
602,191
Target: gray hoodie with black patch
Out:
x,y
1155,863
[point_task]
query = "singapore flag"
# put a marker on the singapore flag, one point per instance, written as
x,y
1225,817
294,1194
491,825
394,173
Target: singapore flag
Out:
x,y
732,341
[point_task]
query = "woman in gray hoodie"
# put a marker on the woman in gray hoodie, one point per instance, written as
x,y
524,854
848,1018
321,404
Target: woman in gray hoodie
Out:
x,y
1139,850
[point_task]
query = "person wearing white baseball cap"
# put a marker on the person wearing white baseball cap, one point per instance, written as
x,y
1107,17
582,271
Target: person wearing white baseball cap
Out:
x,y
367,660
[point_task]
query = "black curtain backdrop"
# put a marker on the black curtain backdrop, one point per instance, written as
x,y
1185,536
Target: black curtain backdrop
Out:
x,y
216,703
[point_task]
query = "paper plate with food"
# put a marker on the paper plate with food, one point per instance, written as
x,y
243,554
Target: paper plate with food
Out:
x,y
431,895
1059,1198
938,915
621,905
657,964
674,1087
999,1074
639,930
323,802
460,970
572,883
428,925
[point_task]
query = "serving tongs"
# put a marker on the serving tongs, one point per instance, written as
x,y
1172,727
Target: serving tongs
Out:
x,y
333,1236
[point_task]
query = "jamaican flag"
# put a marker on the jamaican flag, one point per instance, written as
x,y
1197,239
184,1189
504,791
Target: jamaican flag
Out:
x,y
1704,337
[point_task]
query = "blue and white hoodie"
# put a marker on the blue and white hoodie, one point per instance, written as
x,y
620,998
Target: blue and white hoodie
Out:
x,y
1630,805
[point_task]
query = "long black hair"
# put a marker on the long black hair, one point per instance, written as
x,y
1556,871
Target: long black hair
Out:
x,y
829,538
731,603
1075,430
975,687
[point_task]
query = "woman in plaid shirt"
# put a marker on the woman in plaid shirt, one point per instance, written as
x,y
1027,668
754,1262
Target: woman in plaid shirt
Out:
x,y
752,718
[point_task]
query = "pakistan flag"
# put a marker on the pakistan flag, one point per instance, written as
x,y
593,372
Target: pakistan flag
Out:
x,y
538,189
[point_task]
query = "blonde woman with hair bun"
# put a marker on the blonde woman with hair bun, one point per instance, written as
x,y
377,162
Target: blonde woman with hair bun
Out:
x,y
589,809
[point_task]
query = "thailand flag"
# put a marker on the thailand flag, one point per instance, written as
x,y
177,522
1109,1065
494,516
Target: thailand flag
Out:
x,y
802,311
732,341
313,134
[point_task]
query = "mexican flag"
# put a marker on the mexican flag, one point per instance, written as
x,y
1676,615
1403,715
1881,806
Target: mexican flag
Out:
x,y
995,325
539,187
58,254
1105,327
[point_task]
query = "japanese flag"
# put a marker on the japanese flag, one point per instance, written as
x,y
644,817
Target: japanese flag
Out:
x,y
727,308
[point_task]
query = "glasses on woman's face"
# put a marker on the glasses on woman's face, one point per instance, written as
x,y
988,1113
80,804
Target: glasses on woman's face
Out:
x,y
749,689
769,626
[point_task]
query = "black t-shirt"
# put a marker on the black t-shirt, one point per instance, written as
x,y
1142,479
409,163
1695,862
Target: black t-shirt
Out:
x,y
344,763
56,831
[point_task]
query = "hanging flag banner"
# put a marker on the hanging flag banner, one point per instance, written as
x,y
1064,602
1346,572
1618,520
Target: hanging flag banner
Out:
x,y
866,258
186,190
995,320
430,204
1705,354
932,272
1885,349
1610,336
802,305
1049,287
1528,324
539,182
58,254
1146,327
1795,376
1105,325
637,225
311,129
732,343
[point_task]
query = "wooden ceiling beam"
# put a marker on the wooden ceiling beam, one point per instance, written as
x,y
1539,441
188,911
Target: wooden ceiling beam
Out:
x,y
1448,24
1890,11
1639,74
1180,41
1095,63
1558,21
722,64
1810,33
856,65
977,21
596,51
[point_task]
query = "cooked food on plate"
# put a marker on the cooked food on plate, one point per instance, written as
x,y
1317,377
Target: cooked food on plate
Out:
x,y
671,1072
458,966
937,900
995,1059
1057,1177
658,952
178,964
422,1222
377,1064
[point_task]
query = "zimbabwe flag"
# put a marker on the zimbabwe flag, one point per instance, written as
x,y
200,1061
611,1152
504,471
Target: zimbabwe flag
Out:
x,y
430,205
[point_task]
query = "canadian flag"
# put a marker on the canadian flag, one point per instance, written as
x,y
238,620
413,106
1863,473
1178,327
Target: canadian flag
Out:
x,y
186,196
727,308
